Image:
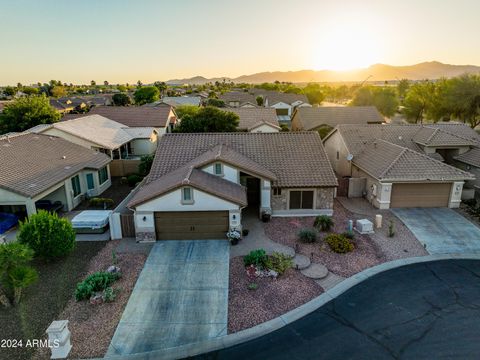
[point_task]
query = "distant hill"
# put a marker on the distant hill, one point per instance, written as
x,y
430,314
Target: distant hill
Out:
x,y
378,72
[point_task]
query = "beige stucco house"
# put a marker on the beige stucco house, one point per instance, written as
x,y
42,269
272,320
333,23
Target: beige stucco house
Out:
x,y
400,165
37,167
201,184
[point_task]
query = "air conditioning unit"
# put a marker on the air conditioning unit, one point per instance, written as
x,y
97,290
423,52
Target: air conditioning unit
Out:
x,y
364,226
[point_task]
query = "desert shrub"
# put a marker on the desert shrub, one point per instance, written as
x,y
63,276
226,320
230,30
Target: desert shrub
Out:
x,y
256,258
323,223
98,281
98,201
279,262
48,235
349,235
339,243
133,179
252,286
307,235
391,229
109,294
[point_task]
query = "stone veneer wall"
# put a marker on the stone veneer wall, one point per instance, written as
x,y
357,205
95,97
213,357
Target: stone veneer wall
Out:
x,y
324,199
146,236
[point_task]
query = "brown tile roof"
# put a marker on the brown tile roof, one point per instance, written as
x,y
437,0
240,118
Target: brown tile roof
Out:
x,y
131,116
240,96
471,157
250,117
189,176
389,162
310,118
458,129
297,159
429,136
32,163
227,155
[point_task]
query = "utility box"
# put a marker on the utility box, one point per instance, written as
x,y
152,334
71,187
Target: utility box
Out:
x,y
364,226
378,221
59,338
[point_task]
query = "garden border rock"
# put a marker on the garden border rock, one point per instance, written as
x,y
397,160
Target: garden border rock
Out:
x,y
237,338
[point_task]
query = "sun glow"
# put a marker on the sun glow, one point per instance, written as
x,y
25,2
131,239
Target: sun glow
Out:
x,y
346,44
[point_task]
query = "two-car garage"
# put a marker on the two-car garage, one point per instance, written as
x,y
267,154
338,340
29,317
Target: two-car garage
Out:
x,y
188,225
420,195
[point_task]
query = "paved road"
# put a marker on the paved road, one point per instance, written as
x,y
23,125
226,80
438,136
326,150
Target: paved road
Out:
x,y
181,296
442,230
422,311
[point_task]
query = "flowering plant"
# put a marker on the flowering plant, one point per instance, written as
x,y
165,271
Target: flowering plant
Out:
x,y
233,235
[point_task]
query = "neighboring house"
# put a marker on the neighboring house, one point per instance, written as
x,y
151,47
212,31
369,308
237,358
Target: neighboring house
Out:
x,y
43,168
316,118
256,119
176,101
61,107
470,161
163,119
400,165
238,99
200,183
122,144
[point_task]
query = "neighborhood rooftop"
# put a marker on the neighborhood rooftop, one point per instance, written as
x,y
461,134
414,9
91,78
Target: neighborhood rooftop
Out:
x,y
32,163
296,159
252,117
310,118
132,116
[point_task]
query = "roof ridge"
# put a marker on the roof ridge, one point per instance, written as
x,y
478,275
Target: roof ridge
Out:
x,y
186,180
389,167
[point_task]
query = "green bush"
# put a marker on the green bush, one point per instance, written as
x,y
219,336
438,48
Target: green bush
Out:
x,y
133,179
109,294
349,235
323,222
339,243
391,229
252,286
307,235
98,201
279,262
98,281
145,164
48,235
256,258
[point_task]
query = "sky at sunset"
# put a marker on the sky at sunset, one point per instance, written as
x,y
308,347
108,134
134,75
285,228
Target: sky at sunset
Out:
x,y
126,41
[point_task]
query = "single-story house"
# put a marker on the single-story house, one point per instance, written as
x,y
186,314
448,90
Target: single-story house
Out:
x,y
199,184
124,145
61,107
37,167
256,119
239,99
163,119
399,165
327,117
176,101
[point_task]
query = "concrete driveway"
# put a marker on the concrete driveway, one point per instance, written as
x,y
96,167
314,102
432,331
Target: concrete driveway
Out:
x,y
442,230
180,297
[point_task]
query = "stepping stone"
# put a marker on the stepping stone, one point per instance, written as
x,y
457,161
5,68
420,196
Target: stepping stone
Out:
x,y
315,271
330,281
301,262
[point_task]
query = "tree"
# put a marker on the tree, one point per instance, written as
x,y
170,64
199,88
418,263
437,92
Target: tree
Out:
x,y
186,110
314,93
145,164
462,95
418,99
26,112
146,94
15,274
30,90
9,91
50,236
58,91
324,130
122,88
121,99
105,83
383,98
208,119
161,86
216,102
402,87
139,84
93,83
259,100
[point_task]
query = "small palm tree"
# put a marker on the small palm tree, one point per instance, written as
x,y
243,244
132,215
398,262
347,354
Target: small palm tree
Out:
x,y
20,278
323,223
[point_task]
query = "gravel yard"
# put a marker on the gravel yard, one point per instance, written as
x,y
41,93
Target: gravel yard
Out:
x,y
92,326
272,298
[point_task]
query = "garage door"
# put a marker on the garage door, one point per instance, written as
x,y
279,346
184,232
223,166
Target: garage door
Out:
x,y
420,195
191,225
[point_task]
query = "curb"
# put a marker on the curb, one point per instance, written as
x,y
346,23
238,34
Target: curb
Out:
x,y
265,328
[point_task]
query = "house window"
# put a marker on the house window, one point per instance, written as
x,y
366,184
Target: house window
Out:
x,y
76,186
301,199
218,169
282,111
102,175
187,195
90,183
277,191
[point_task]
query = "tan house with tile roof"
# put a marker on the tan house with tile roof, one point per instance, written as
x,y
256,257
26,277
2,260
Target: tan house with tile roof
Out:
x,y
315,118
256,119
41,168
400,165
200,184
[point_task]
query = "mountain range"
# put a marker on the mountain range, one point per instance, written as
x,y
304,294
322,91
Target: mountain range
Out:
x,y
378,72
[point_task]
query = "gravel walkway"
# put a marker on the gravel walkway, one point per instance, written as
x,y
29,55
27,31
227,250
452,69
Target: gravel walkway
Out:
x,y
92,327
403,245
272,298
